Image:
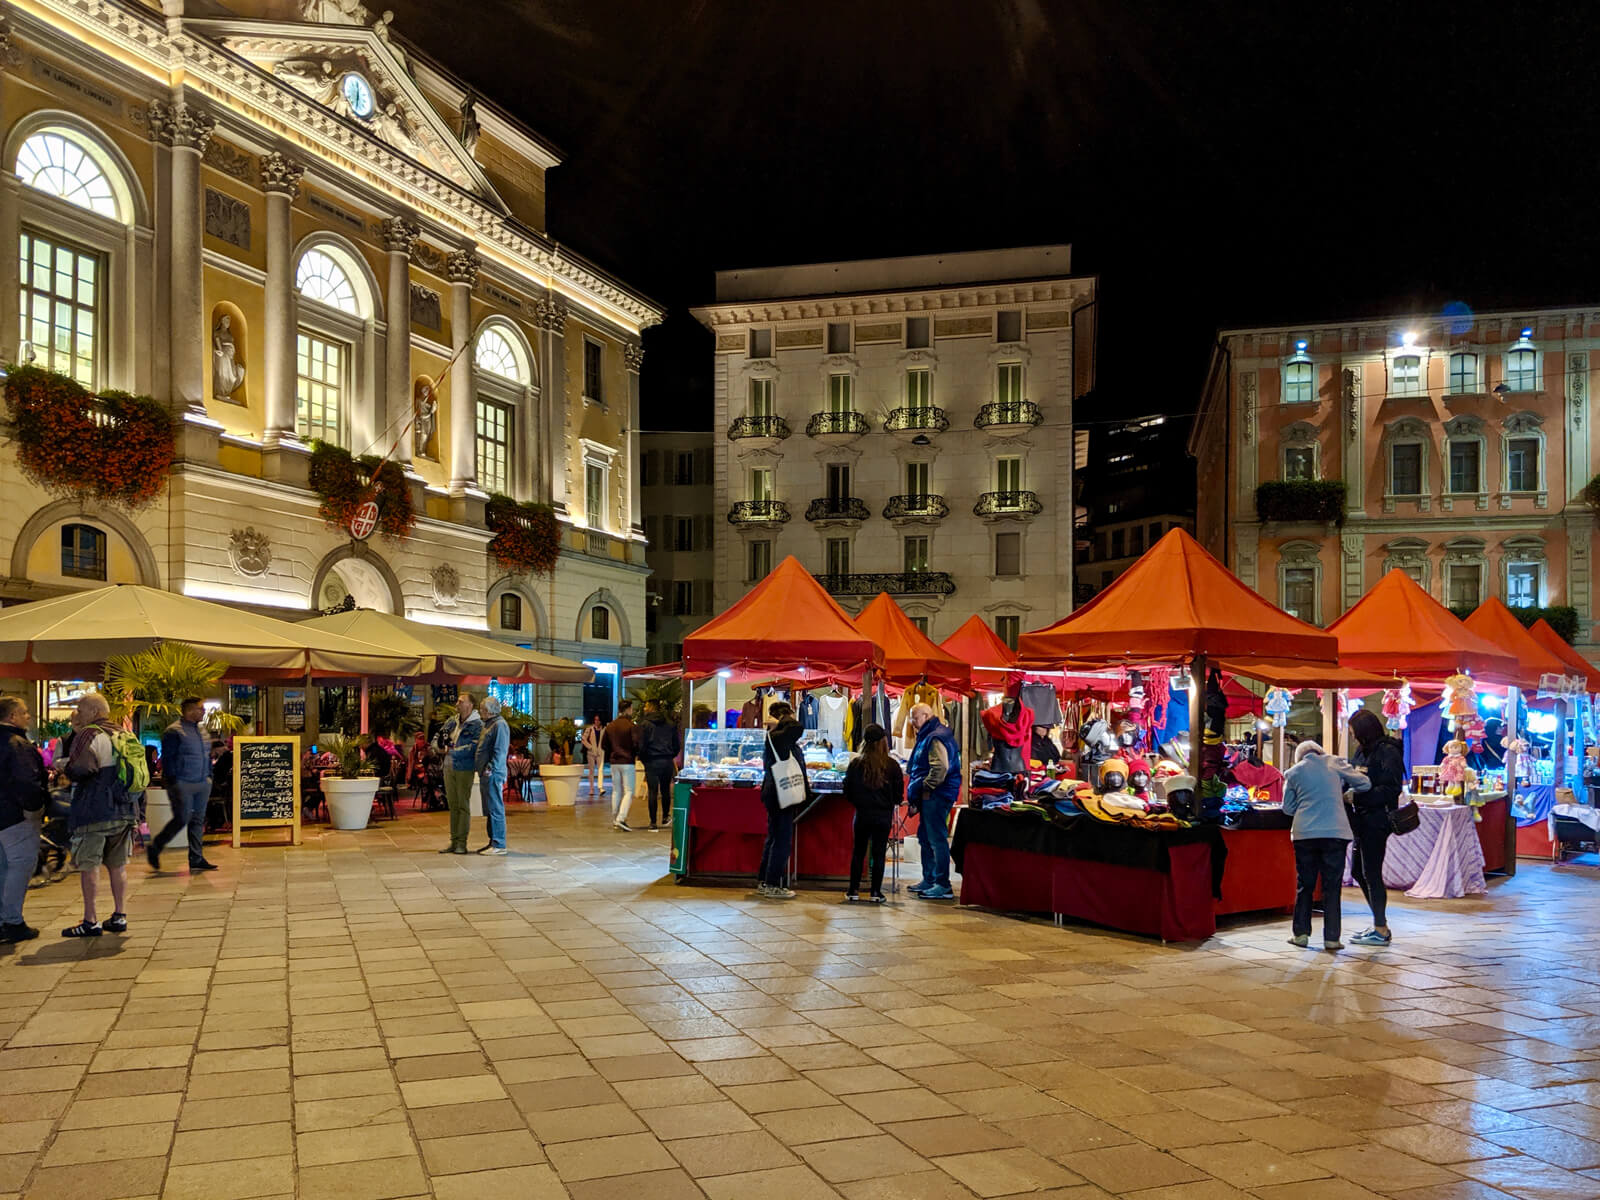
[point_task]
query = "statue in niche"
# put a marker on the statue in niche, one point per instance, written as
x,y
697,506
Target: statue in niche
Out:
x,y
427,420
227,372
471,131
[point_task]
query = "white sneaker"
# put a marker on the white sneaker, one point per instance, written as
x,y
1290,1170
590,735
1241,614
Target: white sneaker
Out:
x,y
780,893
762,889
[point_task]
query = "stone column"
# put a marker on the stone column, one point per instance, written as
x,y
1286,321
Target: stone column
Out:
x,y
186,130
399,236
280,179
10,269
461,269
551,318
632,520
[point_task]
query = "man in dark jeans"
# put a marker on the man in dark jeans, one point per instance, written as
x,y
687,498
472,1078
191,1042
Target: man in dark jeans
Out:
x,y
186,775
657,743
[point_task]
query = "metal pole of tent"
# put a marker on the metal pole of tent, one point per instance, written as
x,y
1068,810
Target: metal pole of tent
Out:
x,y
1325,698
722,701
1197,717
366,696
1559,747
1512,713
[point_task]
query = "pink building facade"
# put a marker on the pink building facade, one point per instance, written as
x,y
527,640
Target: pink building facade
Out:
x,y
1464,445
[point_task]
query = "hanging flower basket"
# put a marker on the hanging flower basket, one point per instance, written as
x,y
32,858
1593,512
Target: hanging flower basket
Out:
x,y
114,447
527,537
343,482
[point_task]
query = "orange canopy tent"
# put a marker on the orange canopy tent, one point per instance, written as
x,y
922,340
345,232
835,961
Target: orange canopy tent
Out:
x,y
1542,632
909,655
785,625
1399,631
1175,603
1494,622
975,643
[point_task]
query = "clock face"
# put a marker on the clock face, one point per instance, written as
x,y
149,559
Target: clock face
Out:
x,y
358,95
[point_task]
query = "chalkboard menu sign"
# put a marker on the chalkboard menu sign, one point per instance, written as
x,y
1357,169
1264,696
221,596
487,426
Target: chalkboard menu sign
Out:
x,y
266,784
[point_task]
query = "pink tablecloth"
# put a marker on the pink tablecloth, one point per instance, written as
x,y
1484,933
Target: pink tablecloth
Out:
x,y
1440,859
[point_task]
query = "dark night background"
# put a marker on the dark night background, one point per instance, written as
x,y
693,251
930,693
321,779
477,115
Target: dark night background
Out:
x,y
1215,164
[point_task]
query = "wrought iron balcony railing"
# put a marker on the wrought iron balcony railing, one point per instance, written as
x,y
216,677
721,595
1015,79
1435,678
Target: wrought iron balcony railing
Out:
x,y
925,505
1008,414
927,420
773,428
903,583
825,423
837,508
1000,504
758,512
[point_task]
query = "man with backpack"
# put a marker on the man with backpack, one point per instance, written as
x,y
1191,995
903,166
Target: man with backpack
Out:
x,y
186,774
105,767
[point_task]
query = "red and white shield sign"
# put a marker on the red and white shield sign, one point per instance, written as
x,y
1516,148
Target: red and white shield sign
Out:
x,y
364,521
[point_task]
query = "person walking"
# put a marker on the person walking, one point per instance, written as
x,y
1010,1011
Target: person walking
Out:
x,y
594,771
783,741
460,736
1381,758
1313,794
658,742
934,784
186,774
874,786
616,743
493,744
24,789
101,817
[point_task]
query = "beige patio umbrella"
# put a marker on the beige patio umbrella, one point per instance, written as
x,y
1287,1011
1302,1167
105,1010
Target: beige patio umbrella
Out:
x,y
73,635
447,653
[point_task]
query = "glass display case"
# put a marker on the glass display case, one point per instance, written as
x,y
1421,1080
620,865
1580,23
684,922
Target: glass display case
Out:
x,y
733,756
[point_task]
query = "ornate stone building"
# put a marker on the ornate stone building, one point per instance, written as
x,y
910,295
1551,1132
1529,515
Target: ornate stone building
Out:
x,y
1464,444
292,227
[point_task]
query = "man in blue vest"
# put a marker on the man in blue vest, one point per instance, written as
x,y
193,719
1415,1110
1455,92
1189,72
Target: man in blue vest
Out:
x,y
933,781
186,774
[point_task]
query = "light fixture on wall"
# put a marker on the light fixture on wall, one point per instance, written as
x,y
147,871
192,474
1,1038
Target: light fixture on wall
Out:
x,y
1501,391
921,440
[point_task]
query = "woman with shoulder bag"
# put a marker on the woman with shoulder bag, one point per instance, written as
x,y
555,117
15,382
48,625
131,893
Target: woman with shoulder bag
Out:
x,y
783,747
1381,757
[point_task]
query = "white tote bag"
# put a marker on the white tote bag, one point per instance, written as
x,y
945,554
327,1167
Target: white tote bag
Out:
x,y
788,777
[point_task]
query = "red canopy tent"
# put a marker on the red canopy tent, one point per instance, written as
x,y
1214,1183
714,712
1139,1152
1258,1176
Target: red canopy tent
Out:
x,y
1542,632
1399,631
975,643
786,625
909,655
1496,623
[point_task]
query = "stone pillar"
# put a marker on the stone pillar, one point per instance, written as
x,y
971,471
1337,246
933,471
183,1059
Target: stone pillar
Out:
x,y
399,236
633,518
1353,583
186,130
1353,424
10,269
461,268
280,179
551,318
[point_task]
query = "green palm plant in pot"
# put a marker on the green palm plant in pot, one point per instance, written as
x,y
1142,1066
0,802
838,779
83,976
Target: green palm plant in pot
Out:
x,y
351,790
152,684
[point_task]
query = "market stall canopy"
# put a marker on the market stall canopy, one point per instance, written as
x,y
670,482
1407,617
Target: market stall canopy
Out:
x,y
1544,633
1399,631
786,623
452,653
1174,603
1296,677
909,655
1496,623
975,643
74,635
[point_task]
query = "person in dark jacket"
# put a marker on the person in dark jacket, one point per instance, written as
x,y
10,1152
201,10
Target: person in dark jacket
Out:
x,y
186,775
783,741
24,789
1380,757
657,742
494,743
460,736
934,785
616,743
874,787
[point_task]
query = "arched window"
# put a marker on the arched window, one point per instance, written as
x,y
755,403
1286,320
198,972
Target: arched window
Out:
x,y
493,354
320,277
54,161
511,611
1522,368
332,345
600,623
83,552
1298,384
1463,373
503,370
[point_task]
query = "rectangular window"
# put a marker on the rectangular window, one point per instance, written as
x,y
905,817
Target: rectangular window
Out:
x,y
841,393
1465,466
921,624
838,481
916,555
1522,464
917,333
594,371
760,564
1300,593
61,305
1008,554
1405,470
510,611
600,623
1297,383
83,552
1008,630
682,597
647,469
838,337
1136,540
1155,532
494,446
838,555
919,388
1463,373
917,479
761,343
1008,475
1464,587
594,495
1522,373
683,533
1008,326
1405,377
761,483
1119,543
761,397
1522,585
683,472
1008,382
1299,462
319,388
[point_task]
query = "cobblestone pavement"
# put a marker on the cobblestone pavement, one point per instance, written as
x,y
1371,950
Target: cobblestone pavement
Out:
x,y
363,1018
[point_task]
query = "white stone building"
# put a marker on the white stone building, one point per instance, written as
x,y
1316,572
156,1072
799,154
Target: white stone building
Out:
x,y
904,425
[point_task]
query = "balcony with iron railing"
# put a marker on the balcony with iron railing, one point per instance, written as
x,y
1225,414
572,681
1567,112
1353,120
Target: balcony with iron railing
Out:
x,y
759,512
767,429
1015,506
1008,417
911,423
901,583
920,507
836,428
837,510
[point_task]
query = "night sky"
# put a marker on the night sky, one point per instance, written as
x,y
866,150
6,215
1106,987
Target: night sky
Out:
x,y
1215,164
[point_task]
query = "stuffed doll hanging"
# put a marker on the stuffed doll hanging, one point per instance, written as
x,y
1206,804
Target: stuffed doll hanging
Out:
x,y
1278,702
1397,706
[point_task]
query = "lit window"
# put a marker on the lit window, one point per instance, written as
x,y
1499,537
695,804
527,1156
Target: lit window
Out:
x,y
593,371
1464,587
1406,378
916,555
1008,383
917,479
1008,629
761,397
761,483
1522,585
1297,382
1522,464
1465,465
1008,475
83,552
1522,372
1299,464
1463,372
320,277
921,624
494,446
841,393
494,354
838,556
594,495
600,623
919,388
319,390
510,611
62,166
1299,597
1405,469
61,305
760,560
1008,554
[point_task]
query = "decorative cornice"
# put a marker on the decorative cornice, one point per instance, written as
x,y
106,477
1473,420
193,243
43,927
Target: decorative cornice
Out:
x,y
633,356
280,174
181,125
461,266
550,314
913,302
400,234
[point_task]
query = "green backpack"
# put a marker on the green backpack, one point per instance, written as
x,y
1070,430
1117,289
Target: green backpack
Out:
x,y
133,768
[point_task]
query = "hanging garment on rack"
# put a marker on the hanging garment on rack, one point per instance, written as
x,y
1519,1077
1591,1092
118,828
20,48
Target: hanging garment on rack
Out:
x,y
882,713
773,696
1042,698
809,716
1259,775
832,712
1016,732
917,693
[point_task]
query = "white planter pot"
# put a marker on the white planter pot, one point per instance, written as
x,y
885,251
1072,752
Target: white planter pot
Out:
x,y
157,809
350,801
561,784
